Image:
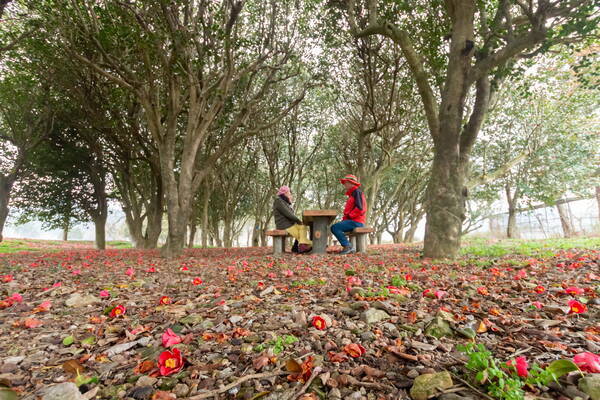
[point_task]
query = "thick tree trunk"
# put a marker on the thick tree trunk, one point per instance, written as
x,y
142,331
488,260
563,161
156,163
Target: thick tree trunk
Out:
x,y
228,232
192,236
5,187
256,233
565,220
409,235
65,235
397,237
511,227
446,196
100,230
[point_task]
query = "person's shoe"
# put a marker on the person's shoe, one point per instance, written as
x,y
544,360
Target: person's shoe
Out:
x,y
348,250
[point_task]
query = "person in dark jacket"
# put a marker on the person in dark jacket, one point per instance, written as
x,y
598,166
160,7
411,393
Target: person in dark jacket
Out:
x,y
285,219
355,213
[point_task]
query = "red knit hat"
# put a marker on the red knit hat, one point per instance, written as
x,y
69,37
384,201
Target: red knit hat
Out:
x,y
350,178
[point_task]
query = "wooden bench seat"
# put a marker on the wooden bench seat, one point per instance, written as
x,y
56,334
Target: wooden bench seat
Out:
x,y
358,237
279,236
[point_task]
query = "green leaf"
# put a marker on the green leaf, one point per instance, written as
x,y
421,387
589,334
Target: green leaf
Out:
x,y
561,367
89,340
85,380
68,340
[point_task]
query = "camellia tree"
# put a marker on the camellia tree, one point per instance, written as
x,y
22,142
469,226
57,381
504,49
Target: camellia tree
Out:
x,y
457,52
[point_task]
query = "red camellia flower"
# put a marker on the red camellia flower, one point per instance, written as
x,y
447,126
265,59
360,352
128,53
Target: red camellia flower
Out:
x,y
130,272
170,338
170,362
354,350
319,323
116,311
408,277
482,290
539,289
574,290
151,269
354,281
588,362
520,364
197,281
521,274
165,300
537,304
576,307
428,293
7,278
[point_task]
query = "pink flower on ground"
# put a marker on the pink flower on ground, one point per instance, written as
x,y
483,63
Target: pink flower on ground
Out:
x,y
57,284
537,304
104,293
44,306
588,362
354,281
521,274
130,272
170,338
76,272
440,293
151,269
289,273
520,364
574,290
17,298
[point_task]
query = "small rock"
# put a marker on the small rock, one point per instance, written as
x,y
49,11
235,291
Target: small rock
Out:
x,y
367,336
413,373
355,291
146,380
572,392
7,368
467,332
267,291
422,346
454,396
14,360
120,348
181,390
373,315
354,396
141,392
590,384
234,319
334,394
77,300
383,305
391,330
429,384
438,328
62,391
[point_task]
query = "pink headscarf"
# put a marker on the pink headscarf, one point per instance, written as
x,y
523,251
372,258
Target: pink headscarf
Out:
x,y
283,190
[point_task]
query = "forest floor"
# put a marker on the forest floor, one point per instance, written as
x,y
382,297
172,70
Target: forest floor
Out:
x,y
239,323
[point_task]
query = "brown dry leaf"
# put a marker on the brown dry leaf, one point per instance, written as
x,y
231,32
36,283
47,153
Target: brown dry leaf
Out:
x,y
309,396
260,361
144,366
161,395
73,367
292,365
412,317
481,328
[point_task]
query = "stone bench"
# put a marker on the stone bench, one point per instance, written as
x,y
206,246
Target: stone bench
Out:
x,y
358,237
278,236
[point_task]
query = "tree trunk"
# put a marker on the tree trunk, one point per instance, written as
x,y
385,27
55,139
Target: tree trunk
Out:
x,y
65,235
409,235
446,196
256,233
397,237
228,232
511,228
192,235
100,229
5,187
565,220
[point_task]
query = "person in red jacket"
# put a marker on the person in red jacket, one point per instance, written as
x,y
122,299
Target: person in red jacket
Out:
x,y
355,213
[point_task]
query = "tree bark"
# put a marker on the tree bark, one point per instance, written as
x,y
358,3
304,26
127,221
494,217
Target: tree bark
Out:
x,y
192,232
5,187
65,235
565,220
409,235
512,199
228,232
100,230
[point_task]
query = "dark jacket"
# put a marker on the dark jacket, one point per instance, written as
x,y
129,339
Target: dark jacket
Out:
x,y
284,214
356,206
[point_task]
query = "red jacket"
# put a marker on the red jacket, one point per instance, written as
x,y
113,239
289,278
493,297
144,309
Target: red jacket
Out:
x,y
356,206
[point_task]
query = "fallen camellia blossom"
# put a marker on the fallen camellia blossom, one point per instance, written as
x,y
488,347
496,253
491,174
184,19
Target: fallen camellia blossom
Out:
x,y
170,362
151,269
440,293
319,323
520,364
130,272
170,338
104,293
43,307
537,304
539,289
16,298
353,281
482,290
165,300
588,362
7,278
354,350
197,281
574,290
576,307
116,311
